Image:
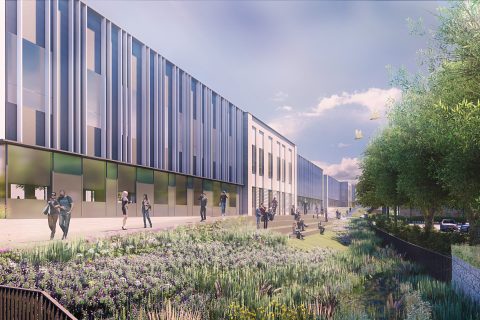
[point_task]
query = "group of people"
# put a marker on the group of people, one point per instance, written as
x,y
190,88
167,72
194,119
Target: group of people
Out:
x,y
264,215
59,209
146,209
203,205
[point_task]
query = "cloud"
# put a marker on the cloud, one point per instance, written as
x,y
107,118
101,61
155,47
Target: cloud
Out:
x,y
285,108
342,145
280,96
347,170
374,99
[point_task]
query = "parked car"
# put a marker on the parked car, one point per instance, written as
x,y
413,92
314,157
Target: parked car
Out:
x,y
448,225
465,228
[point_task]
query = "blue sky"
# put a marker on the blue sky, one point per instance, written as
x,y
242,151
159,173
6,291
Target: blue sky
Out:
x,y
313,70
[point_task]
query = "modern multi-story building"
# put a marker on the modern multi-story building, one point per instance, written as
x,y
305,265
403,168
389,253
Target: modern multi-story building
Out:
x,y
309,184
331,194
89,108
271,167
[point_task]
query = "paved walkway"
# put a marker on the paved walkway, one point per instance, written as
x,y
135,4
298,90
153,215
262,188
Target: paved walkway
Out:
x,y
16,233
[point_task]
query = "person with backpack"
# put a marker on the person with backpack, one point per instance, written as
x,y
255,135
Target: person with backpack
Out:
x,y
258,215
223,202
203,206
274,205
65,203
51,210
146,208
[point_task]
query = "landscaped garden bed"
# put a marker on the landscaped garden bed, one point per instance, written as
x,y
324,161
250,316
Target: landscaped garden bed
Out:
x,y
229,270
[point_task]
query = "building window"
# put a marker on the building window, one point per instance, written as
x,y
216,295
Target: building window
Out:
x,y
214,109
127,182
94,172
194,98
180,92
270,165
28,173
64,163
279,169
254,159
181,190
161,187
254,198
180,161
260,162
194,165
94,42
217,190
214,170
290,172
145,176
284,170
261,196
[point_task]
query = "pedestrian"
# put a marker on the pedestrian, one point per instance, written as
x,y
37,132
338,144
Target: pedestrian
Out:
x,y
125,203
292,210
146,208
51,210
264,213
223,202
258,215
316,210
274,205
305,207
203,206
65,203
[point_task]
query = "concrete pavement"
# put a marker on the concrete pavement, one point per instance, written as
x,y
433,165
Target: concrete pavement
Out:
x,y
15,233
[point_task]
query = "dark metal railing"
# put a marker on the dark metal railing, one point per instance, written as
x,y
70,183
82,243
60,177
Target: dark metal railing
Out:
x,y
30,304
437,265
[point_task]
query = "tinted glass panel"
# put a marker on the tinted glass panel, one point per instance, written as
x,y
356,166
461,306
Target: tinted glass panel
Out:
x,y
181,190
112,171
40,128
217,189
145,175
94,180
64,163
161,187
197,190
127,181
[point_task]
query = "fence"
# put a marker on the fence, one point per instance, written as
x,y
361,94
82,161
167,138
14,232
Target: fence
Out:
x,y
30,304
435,264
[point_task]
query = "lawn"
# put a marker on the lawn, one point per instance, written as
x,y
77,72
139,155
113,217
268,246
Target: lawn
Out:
x,y
470,254
230,270
327,240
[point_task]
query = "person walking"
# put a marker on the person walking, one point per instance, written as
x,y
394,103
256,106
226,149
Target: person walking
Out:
x,y
316,210
258,215
51,210
305,207
265,217
274,205
146,208
223,202
203,206
65,203
125,203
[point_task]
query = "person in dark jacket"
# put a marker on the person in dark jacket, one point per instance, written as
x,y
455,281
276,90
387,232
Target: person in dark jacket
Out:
x,y
274,205
223,202
52,213
203,206
146,208
265,217
66,206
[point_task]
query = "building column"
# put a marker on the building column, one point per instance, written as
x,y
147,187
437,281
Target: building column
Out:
x,y
19,72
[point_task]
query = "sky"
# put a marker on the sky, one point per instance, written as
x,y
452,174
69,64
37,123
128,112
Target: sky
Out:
x,y
314,70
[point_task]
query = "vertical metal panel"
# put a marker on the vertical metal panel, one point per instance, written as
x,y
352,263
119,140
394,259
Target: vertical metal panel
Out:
x,y
145,104
78,79
103,47
3,78
156,122
128,114
164,116
123,93
55,76
48,90
147,116
108,128
19,73
83,125
70,73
